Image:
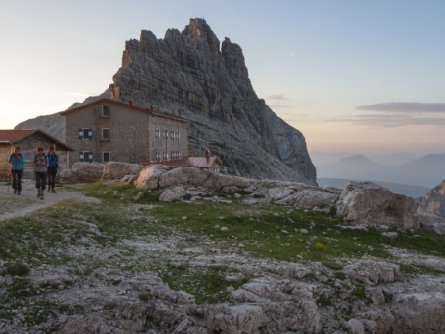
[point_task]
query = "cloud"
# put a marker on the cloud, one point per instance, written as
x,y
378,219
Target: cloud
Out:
x,y
279,101
281,106
405,107
392,120
277,97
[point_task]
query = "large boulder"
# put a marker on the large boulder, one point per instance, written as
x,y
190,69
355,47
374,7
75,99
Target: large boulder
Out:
x,y
372,272
172,194
148,177
419,312
368,203
183,175
117,170
155,177
309,199
82,172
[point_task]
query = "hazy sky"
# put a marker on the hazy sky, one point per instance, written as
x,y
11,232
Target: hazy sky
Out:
x,y
352,75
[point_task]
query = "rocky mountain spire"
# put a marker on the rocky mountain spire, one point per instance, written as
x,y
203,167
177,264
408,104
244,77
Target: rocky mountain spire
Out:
x,y
188,74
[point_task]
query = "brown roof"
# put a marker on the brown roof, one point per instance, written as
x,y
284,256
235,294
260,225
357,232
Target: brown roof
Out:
x,y
124,104
15,136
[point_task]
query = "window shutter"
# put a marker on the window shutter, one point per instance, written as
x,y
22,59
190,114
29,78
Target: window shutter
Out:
x,y
80,134
90,157
81,157
90,133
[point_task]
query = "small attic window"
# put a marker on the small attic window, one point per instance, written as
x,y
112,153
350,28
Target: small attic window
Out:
x,y
105,111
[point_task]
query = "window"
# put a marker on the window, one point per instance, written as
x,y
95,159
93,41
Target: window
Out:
x,y
158,134
105,111
86,133
164,155
179,135
173,154
106,156
172,135
105,134
157,156
86,156
165,134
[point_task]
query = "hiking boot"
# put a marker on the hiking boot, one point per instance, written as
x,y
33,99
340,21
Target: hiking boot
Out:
x,y
38,192
41,194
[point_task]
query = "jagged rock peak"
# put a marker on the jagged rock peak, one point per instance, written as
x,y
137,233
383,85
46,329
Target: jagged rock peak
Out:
x,y
200,31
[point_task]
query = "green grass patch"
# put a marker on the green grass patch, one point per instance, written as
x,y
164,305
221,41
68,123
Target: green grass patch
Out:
x,y
206,284
414,270
114,192
271,231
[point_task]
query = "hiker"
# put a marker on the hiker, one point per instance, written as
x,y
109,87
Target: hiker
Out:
x,y
16,161
40,164
53,167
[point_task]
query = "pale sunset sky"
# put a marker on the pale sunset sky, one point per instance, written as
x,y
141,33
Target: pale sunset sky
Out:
x,y
353,76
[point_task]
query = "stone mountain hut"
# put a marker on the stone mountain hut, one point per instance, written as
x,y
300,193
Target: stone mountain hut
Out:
x,y
29,141
113,130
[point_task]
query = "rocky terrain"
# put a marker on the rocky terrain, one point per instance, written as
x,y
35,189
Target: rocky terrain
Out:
x,y
192,75
181,250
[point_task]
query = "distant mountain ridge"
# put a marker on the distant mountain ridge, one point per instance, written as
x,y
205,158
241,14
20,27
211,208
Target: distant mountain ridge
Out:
x,y
405,189
427,171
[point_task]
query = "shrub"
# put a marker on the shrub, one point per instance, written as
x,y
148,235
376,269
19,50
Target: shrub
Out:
x,y
17,269
318,245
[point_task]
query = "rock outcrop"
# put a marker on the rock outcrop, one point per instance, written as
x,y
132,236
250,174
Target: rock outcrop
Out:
x,y
433,203
432,209
82,172
370,204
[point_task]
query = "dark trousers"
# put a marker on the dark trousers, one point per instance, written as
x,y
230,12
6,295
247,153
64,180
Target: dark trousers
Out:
x,y
52,172
41,180
17,179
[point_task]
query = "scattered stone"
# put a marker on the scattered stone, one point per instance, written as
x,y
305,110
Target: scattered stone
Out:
x,y
355,326
390,235
172,194
138,196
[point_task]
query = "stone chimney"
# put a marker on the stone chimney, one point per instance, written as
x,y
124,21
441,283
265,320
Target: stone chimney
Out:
x,y
207,155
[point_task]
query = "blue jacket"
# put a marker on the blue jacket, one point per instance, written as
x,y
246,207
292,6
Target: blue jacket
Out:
x,y
16,162
53,160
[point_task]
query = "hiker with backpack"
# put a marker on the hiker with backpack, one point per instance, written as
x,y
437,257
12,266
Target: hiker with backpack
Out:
x,y
53,167
16,162
40,168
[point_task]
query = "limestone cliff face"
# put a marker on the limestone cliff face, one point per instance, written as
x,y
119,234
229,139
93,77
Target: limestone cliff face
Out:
x,y
191,75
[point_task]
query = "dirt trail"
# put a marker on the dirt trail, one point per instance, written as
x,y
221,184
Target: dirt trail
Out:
x,y
13,206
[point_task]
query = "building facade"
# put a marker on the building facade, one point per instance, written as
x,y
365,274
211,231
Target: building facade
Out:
x,y
111,130
29,141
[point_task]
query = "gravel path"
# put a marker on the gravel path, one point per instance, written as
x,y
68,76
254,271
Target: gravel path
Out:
x,y
13,206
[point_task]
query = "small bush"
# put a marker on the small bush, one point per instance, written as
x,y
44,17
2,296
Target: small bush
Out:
x,y
318,245
17,269
332,211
